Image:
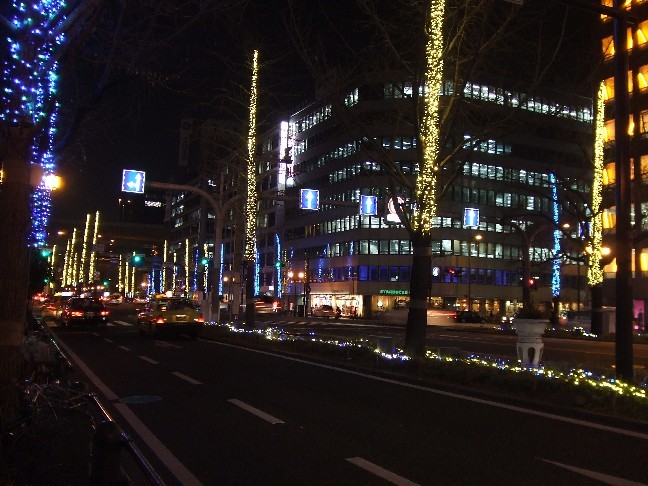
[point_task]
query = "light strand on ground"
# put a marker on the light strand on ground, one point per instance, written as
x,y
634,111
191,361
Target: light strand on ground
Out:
x,y
576,376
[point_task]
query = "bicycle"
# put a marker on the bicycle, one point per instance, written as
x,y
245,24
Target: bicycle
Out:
x,y
50,440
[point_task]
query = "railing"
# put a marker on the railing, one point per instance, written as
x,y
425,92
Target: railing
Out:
x,y
109,439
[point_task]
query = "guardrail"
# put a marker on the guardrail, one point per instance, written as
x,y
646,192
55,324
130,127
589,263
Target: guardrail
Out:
x,y
109,439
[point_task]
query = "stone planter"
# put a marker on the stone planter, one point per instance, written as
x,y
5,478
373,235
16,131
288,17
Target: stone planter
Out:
x,y
529,344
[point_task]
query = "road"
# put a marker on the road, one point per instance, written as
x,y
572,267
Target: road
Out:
x,y
208,413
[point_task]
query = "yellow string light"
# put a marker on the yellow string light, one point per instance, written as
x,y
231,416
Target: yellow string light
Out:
x,y
251,201
164,267
84,249
594,271
426,183
93,254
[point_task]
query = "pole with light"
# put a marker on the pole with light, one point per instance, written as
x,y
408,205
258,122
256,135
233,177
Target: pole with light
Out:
x,y
476,238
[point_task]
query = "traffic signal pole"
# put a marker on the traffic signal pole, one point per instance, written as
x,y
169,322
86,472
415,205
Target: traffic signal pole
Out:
x,y
219,207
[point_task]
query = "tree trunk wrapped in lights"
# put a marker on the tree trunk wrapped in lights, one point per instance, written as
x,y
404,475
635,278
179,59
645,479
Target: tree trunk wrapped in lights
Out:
x,y
426,186
251,201
594,271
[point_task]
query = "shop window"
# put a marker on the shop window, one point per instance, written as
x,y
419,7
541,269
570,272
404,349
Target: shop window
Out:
x,y
363,273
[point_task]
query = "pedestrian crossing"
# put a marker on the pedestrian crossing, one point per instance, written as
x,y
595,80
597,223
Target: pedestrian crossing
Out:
x,y
120,323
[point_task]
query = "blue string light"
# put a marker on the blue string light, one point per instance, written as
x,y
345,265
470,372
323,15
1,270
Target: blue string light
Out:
x,y
557,236
30,89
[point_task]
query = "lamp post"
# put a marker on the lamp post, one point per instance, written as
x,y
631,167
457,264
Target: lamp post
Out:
x,y
294,278
477,238
229,281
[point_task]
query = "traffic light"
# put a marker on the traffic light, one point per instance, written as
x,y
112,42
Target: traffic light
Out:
x,y
137,259
45,252
533,284
204,261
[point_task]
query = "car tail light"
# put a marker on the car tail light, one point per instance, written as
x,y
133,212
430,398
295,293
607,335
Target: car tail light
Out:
x,y
159,320
105,313
200,319
76,314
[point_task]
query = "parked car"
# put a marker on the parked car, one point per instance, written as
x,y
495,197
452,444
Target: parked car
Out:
x,y
324,311
170,315
82,311
54,307
469,316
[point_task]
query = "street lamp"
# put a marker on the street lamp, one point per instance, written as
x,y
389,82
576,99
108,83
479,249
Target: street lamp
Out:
x,y
229,281
476,238
299,276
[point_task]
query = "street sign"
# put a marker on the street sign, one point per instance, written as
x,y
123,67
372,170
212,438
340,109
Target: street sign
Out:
x,y
309,199
471,218
368,205
133,181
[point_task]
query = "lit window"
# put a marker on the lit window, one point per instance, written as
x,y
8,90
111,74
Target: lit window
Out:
x,y
609,174
644,167
642,31
608,93
608,136
608,46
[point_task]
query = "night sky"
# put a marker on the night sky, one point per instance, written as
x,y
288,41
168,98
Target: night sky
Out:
x,y
186,63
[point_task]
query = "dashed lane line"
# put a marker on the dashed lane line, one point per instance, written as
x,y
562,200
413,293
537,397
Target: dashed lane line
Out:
x,y
181,473
604,478
148,360
123,323
255,411
124,348
186,378
380,472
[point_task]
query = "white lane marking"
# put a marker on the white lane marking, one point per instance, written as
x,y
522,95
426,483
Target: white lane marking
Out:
x,y
186,378
148,360
182,474
123,323
380,472
604,478
108,340
528,411
256,411
124,348
164,344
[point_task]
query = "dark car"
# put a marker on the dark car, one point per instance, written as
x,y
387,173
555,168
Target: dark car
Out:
x,y
469,316
82,310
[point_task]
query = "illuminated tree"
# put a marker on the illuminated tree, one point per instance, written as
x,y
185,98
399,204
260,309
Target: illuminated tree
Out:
x,y
439,47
